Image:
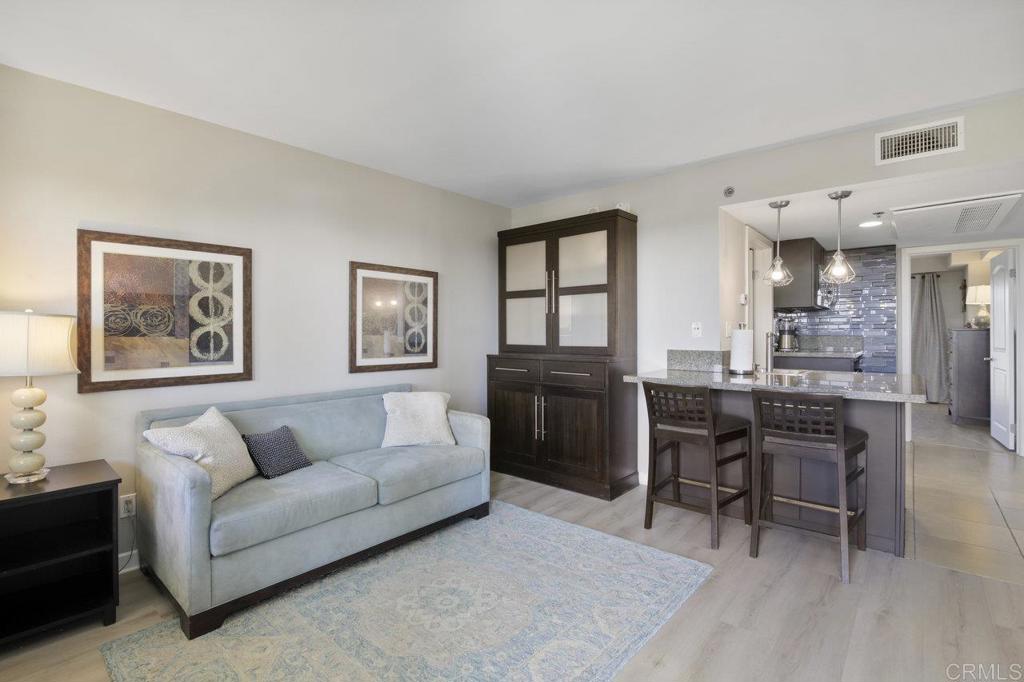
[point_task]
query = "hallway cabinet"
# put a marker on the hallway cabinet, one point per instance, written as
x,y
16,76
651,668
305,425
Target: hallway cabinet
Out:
x,y
560,412
969,375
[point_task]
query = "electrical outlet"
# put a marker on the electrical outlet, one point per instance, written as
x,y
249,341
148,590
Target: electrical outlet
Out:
x,y
126,505
696,330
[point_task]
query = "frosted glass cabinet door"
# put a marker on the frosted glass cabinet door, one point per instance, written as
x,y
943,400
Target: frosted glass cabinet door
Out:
x,y
583,320
526,266
583,259
526,322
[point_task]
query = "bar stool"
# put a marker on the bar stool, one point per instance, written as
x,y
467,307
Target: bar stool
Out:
x,y
677,415
810,427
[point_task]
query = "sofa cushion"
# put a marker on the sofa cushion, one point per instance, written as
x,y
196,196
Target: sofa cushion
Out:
x,y
262,509
402,472
212,442
417,418
275,453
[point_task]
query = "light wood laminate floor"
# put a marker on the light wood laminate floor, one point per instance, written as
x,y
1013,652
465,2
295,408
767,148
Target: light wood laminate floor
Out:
x,y
965,498
783,616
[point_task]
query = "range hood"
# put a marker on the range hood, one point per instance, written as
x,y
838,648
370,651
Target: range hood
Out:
x,y
805,259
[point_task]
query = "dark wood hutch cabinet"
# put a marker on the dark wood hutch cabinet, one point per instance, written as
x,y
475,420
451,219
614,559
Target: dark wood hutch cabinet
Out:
x,y
560,412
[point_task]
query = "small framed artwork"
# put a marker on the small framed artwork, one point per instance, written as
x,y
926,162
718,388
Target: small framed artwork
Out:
x,y
160,312
392,318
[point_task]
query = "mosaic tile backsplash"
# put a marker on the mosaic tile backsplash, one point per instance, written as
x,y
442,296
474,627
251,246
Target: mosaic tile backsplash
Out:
x,y
866,307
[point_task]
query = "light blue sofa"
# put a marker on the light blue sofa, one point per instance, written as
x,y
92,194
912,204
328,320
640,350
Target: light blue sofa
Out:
x,y
267,535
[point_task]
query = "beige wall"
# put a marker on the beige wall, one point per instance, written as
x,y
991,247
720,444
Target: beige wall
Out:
x,y
678,236
71,157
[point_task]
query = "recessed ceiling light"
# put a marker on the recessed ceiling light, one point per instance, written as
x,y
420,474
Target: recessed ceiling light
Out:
x,y
874,222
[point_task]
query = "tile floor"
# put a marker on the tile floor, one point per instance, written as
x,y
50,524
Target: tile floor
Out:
x,y
966,496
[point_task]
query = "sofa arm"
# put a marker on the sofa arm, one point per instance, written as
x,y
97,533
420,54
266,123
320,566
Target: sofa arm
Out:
x,y
174,525
474,430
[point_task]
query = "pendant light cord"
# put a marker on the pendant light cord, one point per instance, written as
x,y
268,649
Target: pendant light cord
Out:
x,y
839,228
778,230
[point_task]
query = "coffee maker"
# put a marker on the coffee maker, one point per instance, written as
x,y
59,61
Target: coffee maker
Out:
x,y
785,332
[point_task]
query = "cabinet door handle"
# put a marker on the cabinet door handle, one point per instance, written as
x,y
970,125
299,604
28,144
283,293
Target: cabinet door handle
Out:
x,y
569,374
986,359
554,294
543,409
511,369
537,423
548,307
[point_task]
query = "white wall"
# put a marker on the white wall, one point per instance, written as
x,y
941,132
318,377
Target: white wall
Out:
x,y
71,157
732,275
678,236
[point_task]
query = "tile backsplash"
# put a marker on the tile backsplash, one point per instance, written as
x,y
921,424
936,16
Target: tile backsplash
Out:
x,y
866,308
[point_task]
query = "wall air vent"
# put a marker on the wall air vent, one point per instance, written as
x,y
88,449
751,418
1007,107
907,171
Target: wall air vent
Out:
x,y
916,142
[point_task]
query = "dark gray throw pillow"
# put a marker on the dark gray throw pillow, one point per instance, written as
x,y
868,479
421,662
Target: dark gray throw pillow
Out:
x,y
275,452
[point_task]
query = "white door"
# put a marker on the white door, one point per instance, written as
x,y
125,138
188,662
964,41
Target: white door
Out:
x,y
1001,350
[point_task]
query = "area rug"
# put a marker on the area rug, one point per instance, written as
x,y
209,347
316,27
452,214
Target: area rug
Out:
x,y
515,596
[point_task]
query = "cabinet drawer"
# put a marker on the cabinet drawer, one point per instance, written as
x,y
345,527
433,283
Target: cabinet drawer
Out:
x,y
586,374
513,369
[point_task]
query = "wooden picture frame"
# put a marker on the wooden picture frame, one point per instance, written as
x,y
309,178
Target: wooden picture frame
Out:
x,y
411,309
181,340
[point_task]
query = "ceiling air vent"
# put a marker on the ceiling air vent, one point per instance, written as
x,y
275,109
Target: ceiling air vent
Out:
x,y
976,218
969,216
929,139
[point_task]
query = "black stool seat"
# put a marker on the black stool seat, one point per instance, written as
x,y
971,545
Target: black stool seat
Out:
x,y
726,427
854,440
679,415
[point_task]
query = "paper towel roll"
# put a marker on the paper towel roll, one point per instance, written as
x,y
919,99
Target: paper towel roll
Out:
x,y
741,356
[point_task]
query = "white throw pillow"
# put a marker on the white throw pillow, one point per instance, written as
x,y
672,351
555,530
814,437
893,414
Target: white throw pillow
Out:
x,y
419,418
213,443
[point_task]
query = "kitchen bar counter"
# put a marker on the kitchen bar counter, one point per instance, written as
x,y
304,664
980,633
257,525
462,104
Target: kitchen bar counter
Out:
x,y
890,388
875,403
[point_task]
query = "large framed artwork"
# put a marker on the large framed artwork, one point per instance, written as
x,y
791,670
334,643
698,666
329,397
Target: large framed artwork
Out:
x,y
392,318
161,312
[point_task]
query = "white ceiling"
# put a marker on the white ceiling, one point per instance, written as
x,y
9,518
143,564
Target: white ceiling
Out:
x,y
813,214
521,100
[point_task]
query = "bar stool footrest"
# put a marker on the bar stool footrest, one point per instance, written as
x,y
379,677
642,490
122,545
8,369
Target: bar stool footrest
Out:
x,y
731,458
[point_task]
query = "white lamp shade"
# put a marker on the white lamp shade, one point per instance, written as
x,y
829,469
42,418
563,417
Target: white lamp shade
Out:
x,y
979,294
36,345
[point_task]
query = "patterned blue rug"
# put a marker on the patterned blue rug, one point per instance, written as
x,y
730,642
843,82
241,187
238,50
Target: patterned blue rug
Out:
x,y
515,596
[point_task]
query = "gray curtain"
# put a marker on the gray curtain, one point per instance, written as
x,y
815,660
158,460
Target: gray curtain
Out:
x,y
930,338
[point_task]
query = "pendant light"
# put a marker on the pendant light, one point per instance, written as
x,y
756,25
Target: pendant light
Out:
x,y
778,274
838,270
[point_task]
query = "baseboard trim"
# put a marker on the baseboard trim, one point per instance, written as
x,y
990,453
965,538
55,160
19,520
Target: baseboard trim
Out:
x,y
132,559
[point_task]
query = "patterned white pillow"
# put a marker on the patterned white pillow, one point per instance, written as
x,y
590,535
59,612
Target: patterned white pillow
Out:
x,y
213,443
417,418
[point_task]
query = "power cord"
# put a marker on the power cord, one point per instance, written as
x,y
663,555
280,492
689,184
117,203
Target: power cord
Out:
x,y
131,553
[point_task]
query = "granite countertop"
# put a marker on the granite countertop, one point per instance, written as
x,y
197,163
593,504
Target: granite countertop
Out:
x,y
891,388
840,354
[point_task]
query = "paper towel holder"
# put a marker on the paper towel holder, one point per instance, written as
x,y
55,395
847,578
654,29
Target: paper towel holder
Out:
x,y
741,371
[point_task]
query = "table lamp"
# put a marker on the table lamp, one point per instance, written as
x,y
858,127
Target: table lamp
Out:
x,y
33,346
980,295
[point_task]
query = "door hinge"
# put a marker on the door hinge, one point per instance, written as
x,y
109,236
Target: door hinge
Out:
x,y
1013,272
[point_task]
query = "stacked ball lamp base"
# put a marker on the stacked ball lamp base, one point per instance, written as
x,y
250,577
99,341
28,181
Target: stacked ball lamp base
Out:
x,y
25,464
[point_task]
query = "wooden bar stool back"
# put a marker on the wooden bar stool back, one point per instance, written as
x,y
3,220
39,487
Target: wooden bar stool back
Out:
x,y
809,426
685,414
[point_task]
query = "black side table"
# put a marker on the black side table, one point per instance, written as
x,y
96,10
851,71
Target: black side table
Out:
x,y
58,549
